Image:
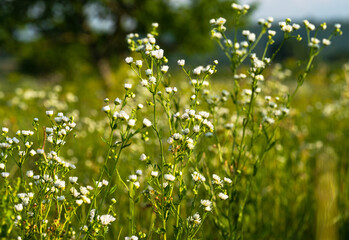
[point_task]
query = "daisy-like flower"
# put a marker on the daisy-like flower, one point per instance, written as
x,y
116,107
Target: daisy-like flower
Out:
x,y
197,177
181,62
5,174
223,196
169,177
107,219
19,207
129,60
207,204
147,122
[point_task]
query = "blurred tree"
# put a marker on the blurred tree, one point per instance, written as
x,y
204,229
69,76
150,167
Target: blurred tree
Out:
x,y
46,36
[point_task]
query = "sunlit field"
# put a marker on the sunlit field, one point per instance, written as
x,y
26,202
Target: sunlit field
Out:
x,y
252,149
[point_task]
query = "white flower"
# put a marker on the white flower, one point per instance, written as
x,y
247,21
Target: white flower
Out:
x,y
220,21
73,179
164,68
5,174
60,184
84,190
139,172
32,152
147,122
107,219
228,180
30,173
2,166
4,130
197,177
216,179
132,178
19,207
143,157
79,202
272,33
136,184
144,83
132,122
129,60
337,26
155,25
326,42
177,136
181,62
49,113
197,70
169,177
223,196
106,109
60,198
251,37
127,86
259,77
148,72
237,6
131,238
154,173
158,53
139,63
207,204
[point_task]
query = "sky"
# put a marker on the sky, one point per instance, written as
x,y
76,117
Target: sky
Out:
x,y
301,9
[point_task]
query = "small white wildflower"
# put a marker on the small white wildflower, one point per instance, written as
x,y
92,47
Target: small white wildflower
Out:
x,y
207,204
143,157
4,130
197,177
164,68
73,179
107,219
154,173
139,63
79,202
30,174
5,174
228,180
220,21
139,172
49,113
2,166
129,60
216,179
19,207
127,86
326,42
148,72
106,109
131,122
169,177
132,178
136,184
32,152
147,122
223,196
61,198
181,62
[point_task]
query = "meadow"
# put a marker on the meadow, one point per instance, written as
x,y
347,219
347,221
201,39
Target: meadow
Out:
x,y
255,150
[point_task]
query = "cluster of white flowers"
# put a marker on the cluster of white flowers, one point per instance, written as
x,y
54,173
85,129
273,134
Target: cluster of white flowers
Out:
x,y
207,204
195,219
197,177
